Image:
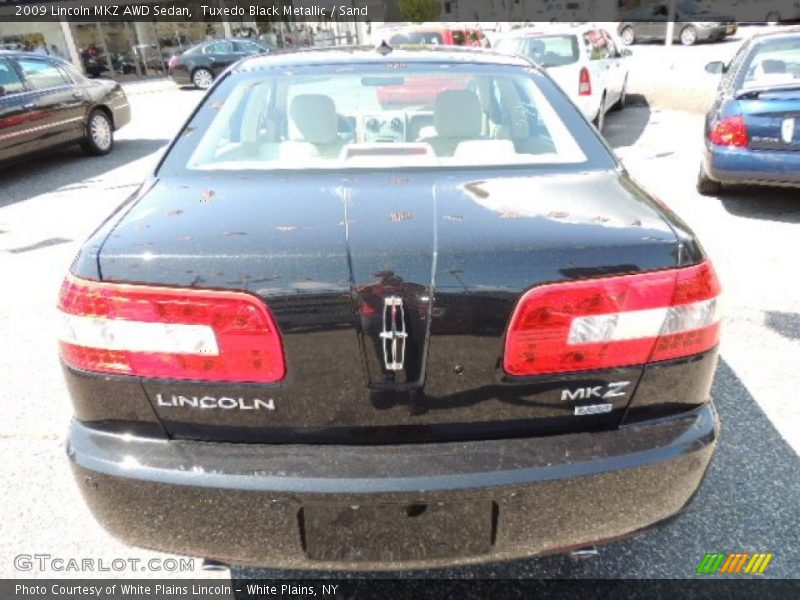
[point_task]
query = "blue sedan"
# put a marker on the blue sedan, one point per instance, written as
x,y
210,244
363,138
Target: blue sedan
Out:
x,y
752,131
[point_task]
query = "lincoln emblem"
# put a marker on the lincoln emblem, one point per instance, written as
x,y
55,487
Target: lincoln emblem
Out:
x,y
393,336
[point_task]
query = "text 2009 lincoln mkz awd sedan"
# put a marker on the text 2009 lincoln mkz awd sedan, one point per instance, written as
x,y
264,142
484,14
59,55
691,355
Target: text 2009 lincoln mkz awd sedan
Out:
x,y
326,334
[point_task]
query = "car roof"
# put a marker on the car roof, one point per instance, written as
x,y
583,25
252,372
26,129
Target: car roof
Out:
x,y
25,54
791,32
417,54
551,29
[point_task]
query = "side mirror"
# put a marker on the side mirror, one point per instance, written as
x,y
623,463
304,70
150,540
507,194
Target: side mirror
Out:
x,y
716,67
626,52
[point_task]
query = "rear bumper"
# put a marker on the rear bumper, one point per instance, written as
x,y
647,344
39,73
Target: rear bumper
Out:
x,y
243,503
180,76
736,166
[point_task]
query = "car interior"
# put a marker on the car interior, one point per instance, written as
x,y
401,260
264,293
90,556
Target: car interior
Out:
x,y
289,123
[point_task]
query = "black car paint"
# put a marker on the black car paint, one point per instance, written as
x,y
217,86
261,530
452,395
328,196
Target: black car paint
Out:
x,y
317,260
33,120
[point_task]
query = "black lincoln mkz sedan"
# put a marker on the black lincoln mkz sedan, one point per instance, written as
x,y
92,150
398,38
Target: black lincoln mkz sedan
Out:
x,y
329,334
200,64
45,102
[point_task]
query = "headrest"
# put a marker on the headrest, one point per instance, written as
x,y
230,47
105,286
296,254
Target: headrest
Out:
x,y
773,66
457,114
312,118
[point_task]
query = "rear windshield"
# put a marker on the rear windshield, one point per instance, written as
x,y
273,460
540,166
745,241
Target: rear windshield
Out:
x,y
544,50
774,63
379,116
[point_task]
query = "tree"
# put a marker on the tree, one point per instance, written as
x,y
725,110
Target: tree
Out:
x,y
419,11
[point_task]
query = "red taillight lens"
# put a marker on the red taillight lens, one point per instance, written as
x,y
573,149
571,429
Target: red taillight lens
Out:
x,y
613,321
173,62
584,83
731,131
171,333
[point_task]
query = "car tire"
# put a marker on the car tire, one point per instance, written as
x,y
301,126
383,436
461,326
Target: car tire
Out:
x,y
99,137
600,120
623,97
773,18
705,185
628,35
202,78
688,36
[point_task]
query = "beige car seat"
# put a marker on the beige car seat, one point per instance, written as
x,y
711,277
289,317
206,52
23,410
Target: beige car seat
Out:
x,y
313,120
457,117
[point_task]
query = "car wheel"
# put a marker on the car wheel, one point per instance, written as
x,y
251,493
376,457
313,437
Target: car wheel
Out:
x,y
773,18
628,36
688,36
705,185
600,120
202,79
623,96
99,137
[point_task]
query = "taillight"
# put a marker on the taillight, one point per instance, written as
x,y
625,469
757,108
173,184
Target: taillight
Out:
x,y
730,131
173,62
584,83
613,321
171,333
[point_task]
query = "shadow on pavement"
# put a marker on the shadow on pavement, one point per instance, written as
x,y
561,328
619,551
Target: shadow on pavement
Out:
x,y
749,501
623,128
784,323
66,167
768,203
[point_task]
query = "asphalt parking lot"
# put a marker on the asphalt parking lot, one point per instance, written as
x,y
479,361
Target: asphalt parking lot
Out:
x,y
749,502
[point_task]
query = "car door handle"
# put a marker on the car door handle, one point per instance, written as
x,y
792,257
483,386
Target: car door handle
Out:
x,y
29,106
77,94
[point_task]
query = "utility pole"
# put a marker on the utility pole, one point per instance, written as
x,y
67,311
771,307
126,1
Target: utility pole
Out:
x,y
671,16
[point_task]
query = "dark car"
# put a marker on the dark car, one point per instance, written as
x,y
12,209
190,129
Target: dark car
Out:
x,y
327,334
199,65
46,102
752,130
694,23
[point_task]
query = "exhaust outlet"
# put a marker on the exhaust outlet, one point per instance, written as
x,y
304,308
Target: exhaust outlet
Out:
x,y
582,553
213,565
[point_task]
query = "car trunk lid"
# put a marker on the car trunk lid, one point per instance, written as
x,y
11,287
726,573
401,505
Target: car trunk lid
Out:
x,y
337,260
772,118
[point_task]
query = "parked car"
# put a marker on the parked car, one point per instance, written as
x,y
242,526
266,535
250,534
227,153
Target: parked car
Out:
x,y
771,12
752,130
340,336
586,62
694,23
423,92
46,102
199,65
452,34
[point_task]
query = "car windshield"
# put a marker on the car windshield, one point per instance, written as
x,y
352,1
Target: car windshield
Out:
x,y
544,50
774,63
365,116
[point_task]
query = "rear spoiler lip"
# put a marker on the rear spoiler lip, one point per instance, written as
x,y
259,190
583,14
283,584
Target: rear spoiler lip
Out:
x,y
757,91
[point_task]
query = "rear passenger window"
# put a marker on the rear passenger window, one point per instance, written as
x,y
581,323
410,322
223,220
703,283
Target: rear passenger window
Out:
x,y
9,79
41,74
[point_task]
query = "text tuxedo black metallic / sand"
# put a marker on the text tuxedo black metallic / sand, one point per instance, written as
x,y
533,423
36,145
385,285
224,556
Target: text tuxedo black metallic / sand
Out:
x,y
327,333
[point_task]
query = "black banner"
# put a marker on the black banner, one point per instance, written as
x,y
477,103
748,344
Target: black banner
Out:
x,y
734,588
699,11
